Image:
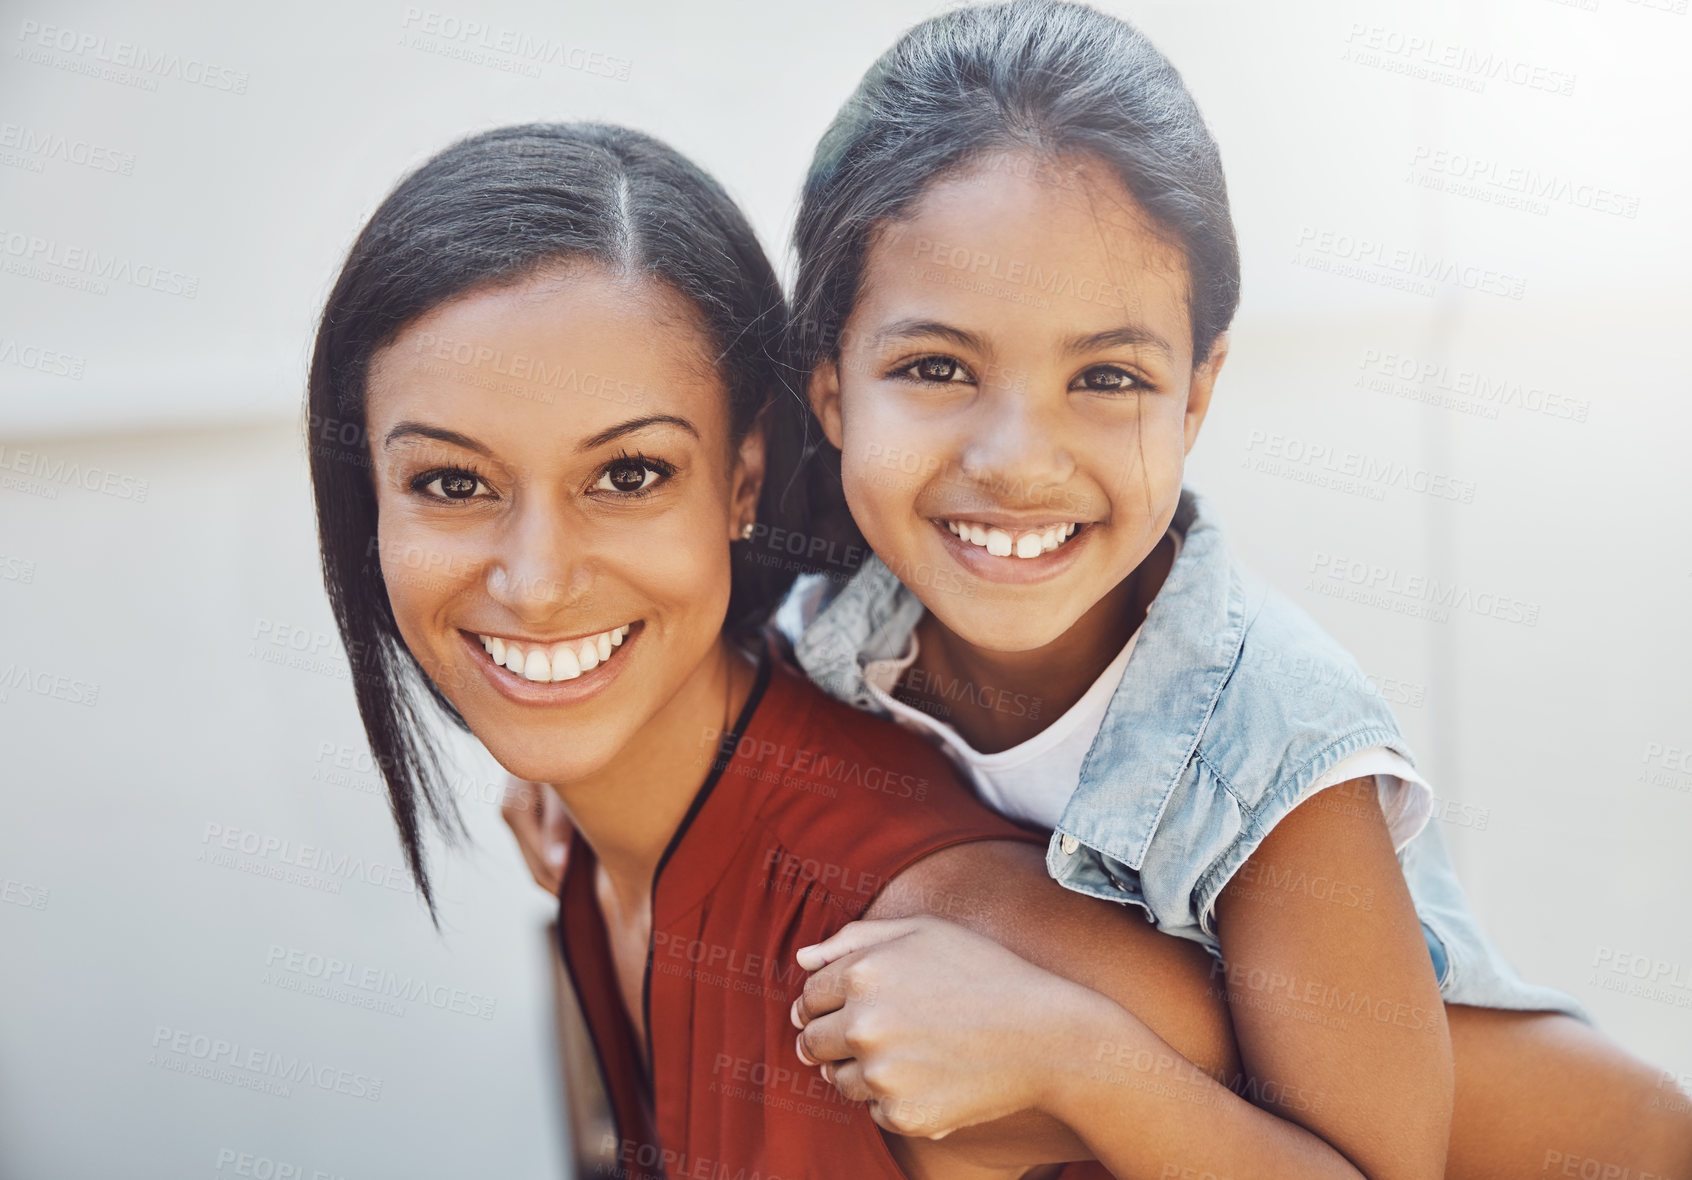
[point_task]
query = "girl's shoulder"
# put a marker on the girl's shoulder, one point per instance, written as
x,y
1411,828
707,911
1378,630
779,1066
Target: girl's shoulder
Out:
x,y
1230,671
1235,705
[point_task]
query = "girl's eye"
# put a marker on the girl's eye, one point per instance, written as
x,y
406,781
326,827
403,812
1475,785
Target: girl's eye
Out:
x,y
451,484
937,368
1108,379
630,477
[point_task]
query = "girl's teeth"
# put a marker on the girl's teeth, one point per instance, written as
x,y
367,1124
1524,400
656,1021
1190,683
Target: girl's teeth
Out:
x,y
603,644
514,658
617,635
496,648
588,654
1001,543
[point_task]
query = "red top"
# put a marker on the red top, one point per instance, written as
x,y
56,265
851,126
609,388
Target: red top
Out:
x,y
791,836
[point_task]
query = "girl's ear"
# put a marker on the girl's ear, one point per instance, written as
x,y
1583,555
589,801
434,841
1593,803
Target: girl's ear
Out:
x,y
747,479
825,400
1203,383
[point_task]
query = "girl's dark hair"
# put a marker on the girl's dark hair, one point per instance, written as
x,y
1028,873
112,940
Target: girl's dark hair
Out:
x,y
1040,76
492,210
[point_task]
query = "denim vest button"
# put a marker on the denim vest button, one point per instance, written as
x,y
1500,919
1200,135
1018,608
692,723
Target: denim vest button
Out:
x,y
1070,844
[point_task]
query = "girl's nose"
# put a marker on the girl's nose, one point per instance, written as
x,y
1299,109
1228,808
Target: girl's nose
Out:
x,y
1014,446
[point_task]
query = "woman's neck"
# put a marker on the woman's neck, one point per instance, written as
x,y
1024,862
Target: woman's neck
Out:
x,y
629,812
1056,675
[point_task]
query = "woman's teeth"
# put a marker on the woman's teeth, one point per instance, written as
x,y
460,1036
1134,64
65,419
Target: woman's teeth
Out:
x,y
555,661
1002,543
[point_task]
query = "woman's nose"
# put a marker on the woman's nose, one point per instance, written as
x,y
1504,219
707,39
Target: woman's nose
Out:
x,y
542,564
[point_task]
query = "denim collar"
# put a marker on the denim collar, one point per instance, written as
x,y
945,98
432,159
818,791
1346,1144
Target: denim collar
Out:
x,y
1186,650
1188,647
871,618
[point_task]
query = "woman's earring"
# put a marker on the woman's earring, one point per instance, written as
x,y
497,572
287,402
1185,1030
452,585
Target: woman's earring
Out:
x,y
746,531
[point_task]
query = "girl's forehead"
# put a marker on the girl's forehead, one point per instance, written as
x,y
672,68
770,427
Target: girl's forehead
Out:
x,y
1030,242
1057,204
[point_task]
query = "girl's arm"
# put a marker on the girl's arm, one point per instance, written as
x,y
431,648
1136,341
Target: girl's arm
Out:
x,y
1329,983
895,1015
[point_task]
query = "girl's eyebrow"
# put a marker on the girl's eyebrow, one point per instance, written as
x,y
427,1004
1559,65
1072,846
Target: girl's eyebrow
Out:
x,y
1134,335
906,329
1129,334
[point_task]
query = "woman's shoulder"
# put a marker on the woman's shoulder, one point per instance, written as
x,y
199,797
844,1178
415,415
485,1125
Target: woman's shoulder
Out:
x,y
830,742
846,780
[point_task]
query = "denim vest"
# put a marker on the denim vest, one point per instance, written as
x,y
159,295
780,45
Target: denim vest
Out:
x,y
1233,703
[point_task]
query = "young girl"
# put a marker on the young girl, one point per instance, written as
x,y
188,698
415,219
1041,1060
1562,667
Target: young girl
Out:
x,y
1016,271
551,360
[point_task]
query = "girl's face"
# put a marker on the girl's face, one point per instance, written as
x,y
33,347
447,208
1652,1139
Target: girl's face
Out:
x,y
556,489
1015,396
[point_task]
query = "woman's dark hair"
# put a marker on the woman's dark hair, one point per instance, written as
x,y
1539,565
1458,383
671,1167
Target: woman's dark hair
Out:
x,y
1039,76
492,210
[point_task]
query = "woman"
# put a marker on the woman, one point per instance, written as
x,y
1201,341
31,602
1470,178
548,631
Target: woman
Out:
x,y
555,354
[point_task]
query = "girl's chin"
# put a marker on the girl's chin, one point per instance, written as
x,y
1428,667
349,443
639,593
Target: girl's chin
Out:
x,y
1008,629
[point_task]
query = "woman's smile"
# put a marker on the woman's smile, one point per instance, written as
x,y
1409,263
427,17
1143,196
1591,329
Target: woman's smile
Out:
x,y
558,672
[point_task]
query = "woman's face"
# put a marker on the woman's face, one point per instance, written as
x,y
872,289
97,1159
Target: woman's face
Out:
x,y
1015,396
557,488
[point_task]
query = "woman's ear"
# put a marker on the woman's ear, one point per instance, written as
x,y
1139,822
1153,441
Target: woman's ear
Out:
x,y
825,400
1203,384
747,478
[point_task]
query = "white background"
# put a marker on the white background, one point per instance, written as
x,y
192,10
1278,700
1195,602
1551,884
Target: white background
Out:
x,y
1559,748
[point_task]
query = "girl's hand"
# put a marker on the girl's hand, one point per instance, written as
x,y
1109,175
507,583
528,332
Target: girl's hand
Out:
x,y
936,1027
536,816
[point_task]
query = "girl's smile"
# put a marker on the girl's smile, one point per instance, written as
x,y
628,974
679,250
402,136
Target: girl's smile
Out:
x,y
1033,445
999,549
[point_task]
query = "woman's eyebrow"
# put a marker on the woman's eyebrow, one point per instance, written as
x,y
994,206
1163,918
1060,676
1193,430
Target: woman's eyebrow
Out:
x,y
632,425
1127,334
422,430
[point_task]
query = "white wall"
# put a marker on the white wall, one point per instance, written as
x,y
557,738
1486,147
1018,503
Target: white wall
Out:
x,y
1560,746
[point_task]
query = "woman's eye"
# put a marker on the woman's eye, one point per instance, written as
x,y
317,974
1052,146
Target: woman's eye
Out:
x,y
938,368
628,476
451,485
1109,379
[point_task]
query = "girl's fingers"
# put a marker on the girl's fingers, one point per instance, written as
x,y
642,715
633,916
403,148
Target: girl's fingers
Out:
x,y
555,832
537,818
825,991
854,936
823,1041
847,1077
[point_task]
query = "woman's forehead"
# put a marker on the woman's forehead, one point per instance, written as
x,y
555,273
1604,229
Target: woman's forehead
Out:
x,y
565,351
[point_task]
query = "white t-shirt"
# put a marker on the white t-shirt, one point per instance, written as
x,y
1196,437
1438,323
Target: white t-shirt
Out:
x,y
1032,782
